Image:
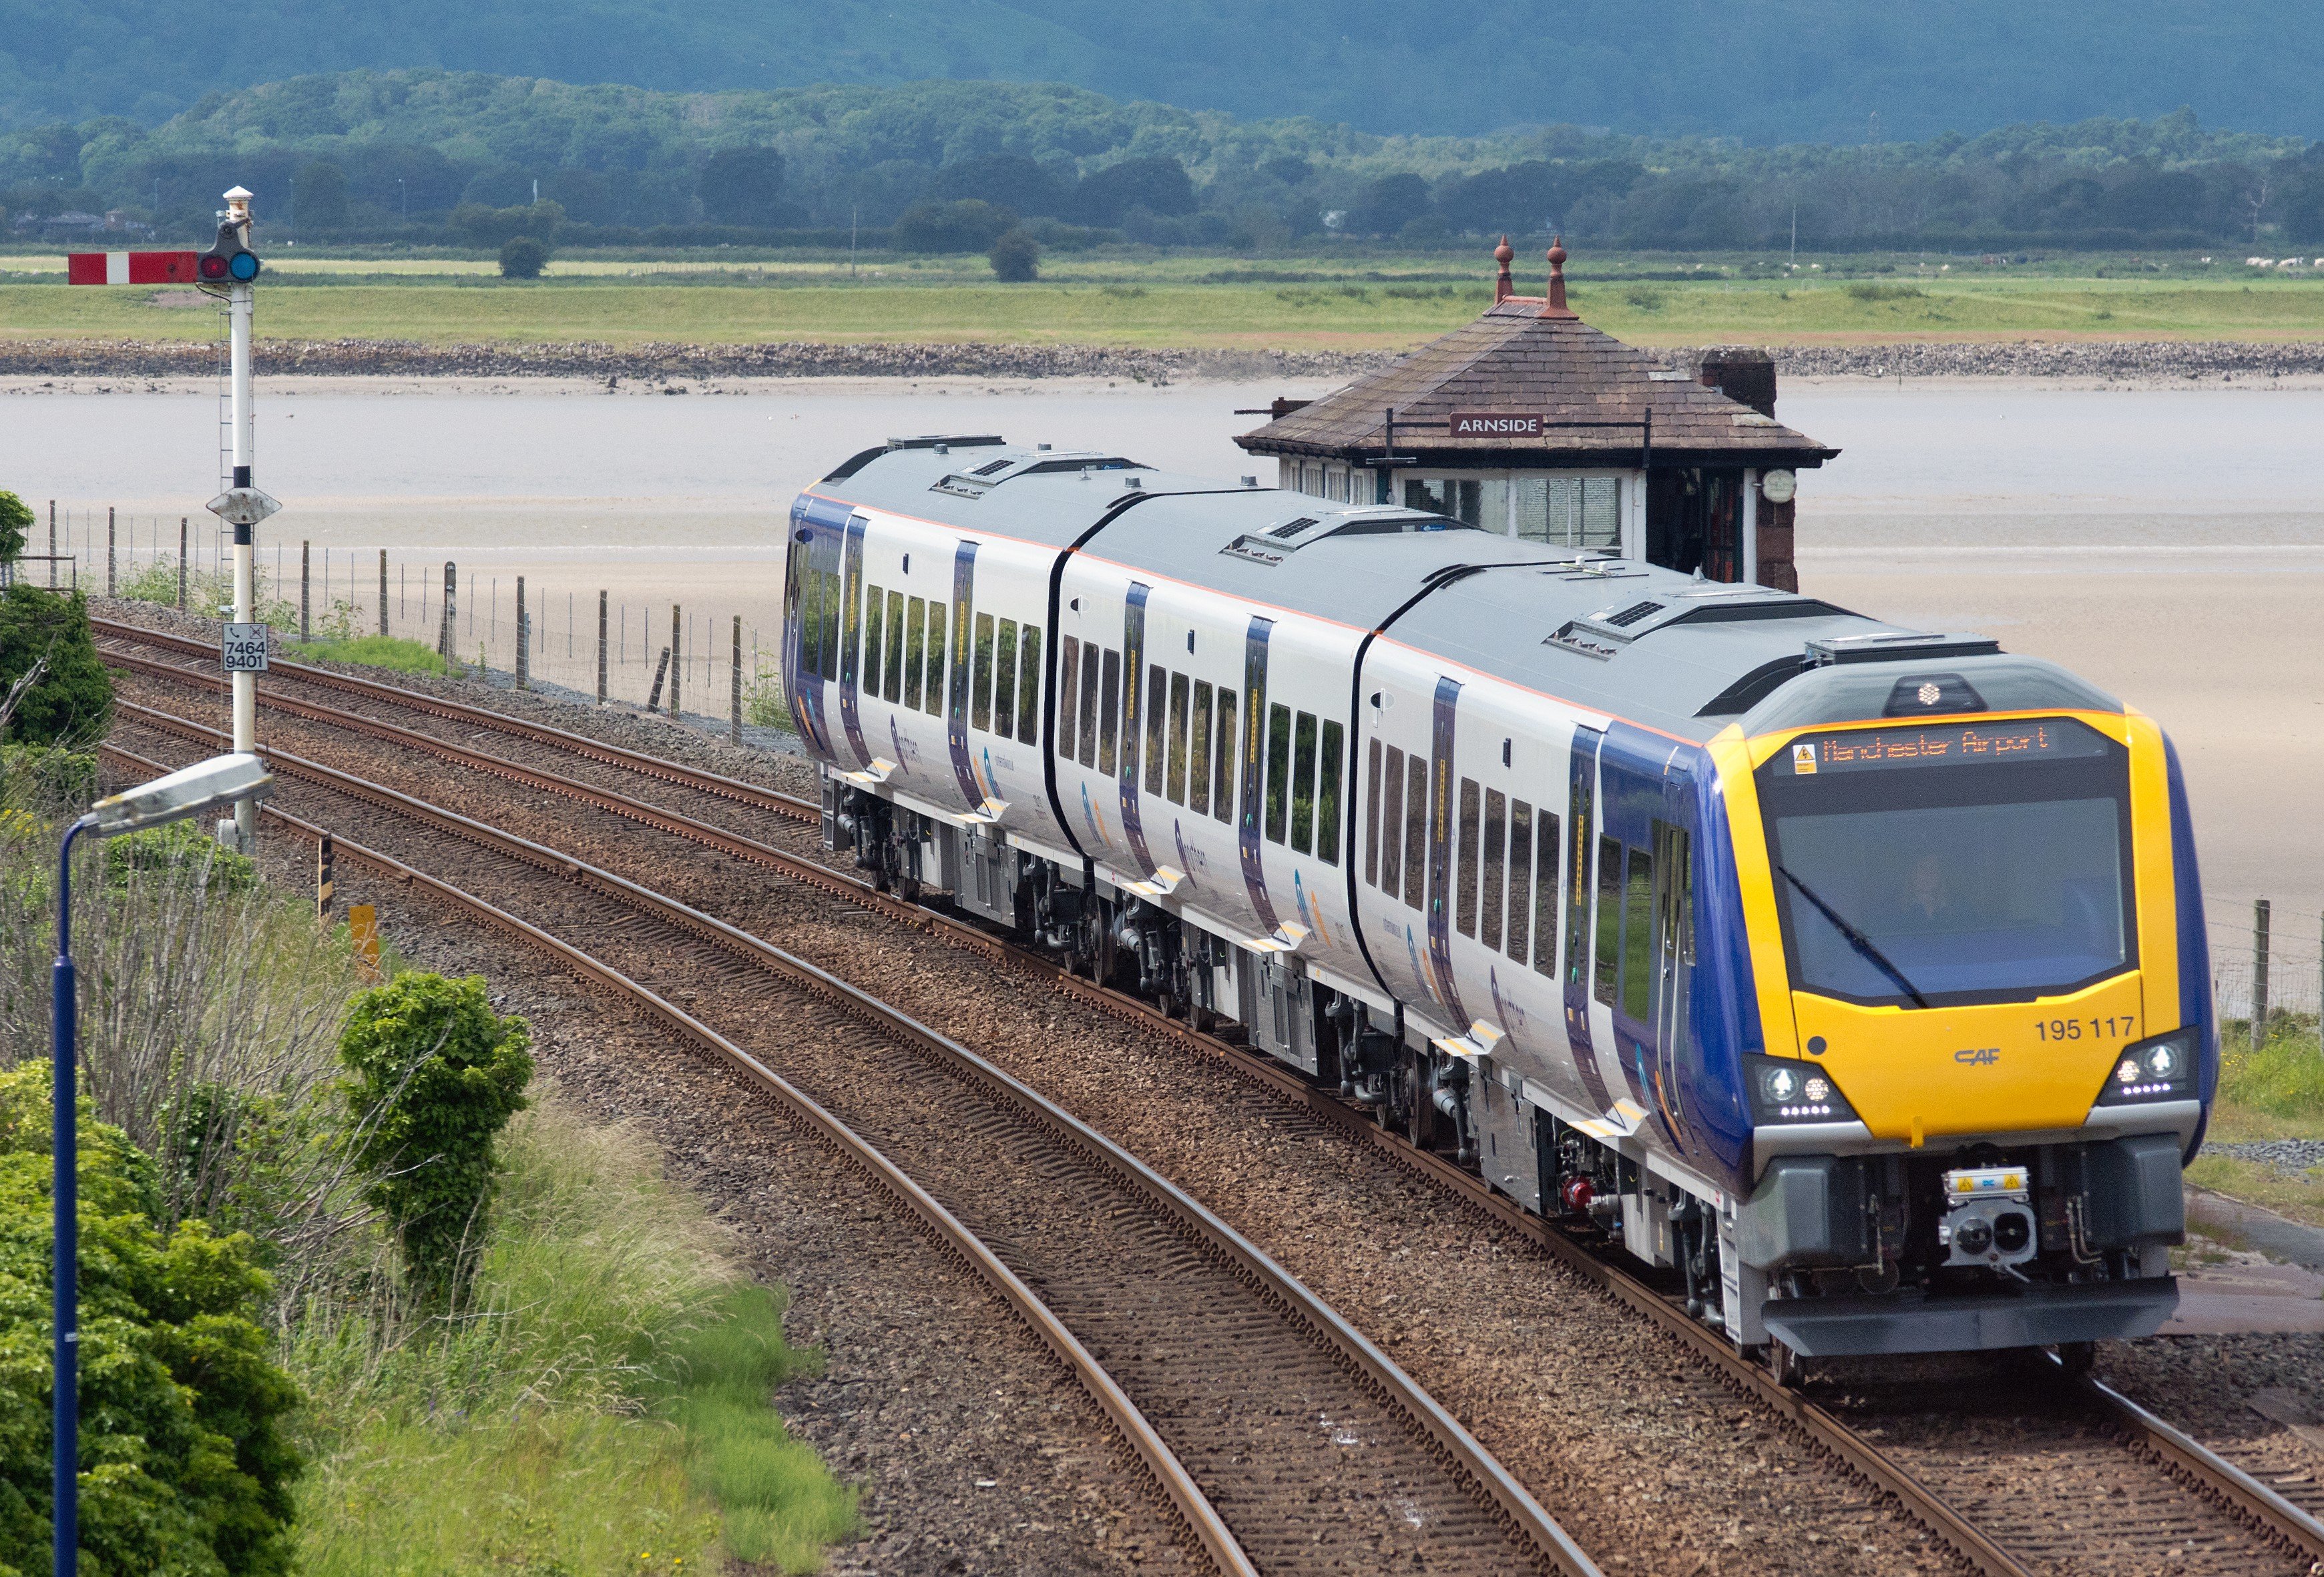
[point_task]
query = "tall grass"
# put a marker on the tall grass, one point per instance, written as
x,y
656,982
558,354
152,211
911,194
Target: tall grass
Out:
x,y
2284,1078
386,651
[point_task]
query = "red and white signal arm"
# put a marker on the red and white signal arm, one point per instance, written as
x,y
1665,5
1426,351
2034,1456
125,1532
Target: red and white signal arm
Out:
x,y
130,268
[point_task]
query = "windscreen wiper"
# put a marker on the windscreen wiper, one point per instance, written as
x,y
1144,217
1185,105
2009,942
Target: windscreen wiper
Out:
x,y
1857,940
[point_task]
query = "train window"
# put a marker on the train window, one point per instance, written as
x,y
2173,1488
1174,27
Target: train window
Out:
x,y
1637,936
1222,804
831,619
1004,680
1464,870
895,646
810,617
935,695
875,610
980,693
1181,693
1279,771
1029,684
1545,906
1069,690
1089,705
1496,851
1302,784
1198,748
1610,918
1521,899
916,645
1391,822
1109,712
1157,681
1372,814
1327,794
1415,829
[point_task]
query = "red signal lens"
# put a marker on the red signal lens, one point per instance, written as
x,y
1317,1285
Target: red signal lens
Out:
x,y
212,267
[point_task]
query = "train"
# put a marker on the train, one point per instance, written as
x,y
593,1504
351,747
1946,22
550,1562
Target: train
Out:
x,y
1851,976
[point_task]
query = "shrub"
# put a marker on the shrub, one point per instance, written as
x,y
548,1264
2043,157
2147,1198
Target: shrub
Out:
x,y
46,777
74,699
1016,258
437,1075
971,224
523,258
182,847
15,520
1879,292
185,1467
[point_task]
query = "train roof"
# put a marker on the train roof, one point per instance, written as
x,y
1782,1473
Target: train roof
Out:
x,y
1672,651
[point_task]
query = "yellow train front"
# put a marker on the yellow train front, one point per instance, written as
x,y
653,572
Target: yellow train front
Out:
x,y
1973,942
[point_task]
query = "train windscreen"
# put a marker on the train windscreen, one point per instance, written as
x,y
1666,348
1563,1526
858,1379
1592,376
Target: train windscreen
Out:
x,y
1960,863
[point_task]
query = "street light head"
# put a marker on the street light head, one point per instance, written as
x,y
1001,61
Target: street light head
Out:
x,y
186,792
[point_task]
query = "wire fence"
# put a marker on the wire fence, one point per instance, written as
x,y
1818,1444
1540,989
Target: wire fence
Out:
x,y
2283,953
718,663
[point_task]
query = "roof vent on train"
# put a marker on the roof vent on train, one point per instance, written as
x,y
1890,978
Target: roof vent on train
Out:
x,y
1897,646
982,479
1278,542
1603,633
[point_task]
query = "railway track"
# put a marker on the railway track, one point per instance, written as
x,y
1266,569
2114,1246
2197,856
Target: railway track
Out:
x,y
1243,1393
2100,1453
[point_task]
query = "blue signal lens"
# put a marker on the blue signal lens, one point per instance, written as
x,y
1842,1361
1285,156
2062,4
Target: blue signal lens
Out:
x,y
244,266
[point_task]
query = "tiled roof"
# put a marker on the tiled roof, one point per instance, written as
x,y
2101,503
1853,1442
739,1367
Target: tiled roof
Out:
x,y
1517,359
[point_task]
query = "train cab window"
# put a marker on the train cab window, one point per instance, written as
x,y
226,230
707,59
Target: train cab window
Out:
x,y
935,690
895,664
1004,679
1157,682
1223,803
1089,705
1302,783
1464,869
1609,919
1069,691
1415,830
1029,684
1109,721
1391,822
1521,899
1637,936
1327,794
980,684
1181,693
1278,772
875,645
916,645
1372,814
1494,849
1198,749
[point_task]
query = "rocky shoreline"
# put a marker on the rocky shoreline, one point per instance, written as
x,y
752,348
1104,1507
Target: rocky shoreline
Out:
x,y
675,364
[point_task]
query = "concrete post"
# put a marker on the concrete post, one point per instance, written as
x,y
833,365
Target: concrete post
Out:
x,y
110,552
383,593
523,638
677,661
601,649
185,537
734,727
2259,974
306,562
52,544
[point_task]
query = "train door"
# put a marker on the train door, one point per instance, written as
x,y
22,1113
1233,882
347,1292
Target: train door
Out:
x,y
1580,863
812,594
851,637
1673,857
1635,937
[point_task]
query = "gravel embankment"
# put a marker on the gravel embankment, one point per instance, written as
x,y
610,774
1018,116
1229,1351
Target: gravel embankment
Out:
x,y
677,364
2293,1155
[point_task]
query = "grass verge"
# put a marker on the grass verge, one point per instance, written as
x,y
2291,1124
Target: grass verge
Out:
x,y
2273,1092
387,652
602,1407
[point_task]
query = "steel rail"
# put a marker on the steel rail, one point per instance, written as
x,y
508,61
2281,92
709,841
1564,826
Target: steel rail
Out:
x,y
1512,1503
2194,1463
596,749
1161,1463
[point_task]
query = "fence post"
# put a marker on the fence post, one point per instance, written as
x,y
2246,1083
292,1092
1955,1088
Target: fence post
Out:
x,y
2259,974
185,539
601,649
383,593
444,630
52,544
677,663
324,861
653,697
734,729
306,553
524,637
108,551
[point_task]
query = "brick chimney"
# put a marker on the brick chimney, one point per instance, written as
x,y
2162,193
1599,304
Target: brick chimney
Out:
x,y
1744,374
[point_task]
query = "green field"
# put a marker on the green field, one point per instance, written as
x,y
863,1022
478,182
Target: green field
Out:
x,y
1179,302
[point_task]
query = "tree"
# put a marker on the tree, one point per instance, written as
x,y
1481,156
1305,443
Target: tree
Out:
x,y
15,521
322,197
74,698
742,186
968,226
1016,258
523,258
1006,180
438,1074
1390,204
1160,185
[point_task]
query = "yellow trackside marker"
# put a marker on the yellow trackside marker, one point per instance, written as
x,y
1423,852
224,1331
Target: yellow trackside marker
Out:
x,y
1916,1133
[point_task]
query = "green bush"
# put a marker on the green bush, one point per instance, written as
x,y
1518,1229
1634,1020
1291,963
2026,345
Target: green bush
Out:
x,y
74,699
15,521
184,1465
183,847
2284,1078
523,258
43,777
437,1075
1016,258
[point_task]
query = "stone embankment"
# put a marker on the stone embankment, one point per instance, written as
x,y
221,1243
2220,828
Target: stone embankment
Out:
x,y
677,365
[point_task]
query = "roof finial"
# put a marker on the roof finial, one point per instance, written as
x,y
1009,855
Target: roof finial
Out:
x,y
1502,287
1555,307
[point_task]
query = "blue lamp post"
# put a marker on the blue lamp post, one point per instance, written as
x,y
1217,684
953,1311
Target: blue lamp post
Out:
x,y
197,787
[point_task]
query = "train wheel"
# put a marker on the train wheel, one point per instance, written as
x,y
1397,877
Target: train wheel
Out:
x,y
2076,1358
1785,1366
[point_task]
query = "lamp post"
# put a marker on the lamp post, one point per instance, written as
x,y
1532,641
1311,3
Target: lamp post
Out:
x,y
196,788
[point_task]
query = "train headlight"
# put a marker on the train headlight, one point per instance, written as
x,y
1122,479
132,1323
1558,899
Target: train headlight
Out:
x,y
1786,1092
2161,1068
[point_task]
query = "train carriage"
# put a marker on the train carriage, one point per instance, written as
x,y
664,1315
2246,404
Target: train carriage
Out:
x,y
1851,973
